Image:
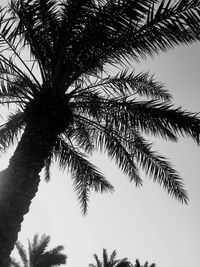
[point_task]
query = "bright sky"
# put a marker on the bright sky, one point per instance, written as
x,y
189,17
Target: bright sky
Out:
x,y
142,223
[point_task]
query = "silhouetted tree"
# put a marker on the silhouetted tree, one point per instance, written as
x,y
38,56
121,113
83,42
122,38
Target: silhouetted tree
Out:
x,y
66,105
137,264
37,255
110,261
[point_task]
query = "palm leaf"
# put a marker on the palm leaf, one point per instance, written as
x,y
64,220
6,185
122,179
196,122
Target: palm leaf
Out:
x,y
82,136
112,144
52,258
130,148
11,130
15,83
159,168
84,174
150,117
38,247
128,84
47,167
22,253
38,256
99,264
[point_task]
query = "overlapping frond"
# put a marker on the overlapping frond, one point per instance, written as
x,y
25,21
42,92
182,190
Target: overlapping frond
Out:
x,y
47,166
38,255
16,84
159,168
133,28
38,247
110,261
150,117
117,149
99,264
128,85
85,174
131,151
53,257
36,26
81,133
22,252
11,130
152,28
88,34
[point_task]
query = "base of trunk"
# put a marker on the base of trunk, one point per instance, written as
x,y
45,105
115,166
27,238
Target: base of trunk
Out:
x,y
16,193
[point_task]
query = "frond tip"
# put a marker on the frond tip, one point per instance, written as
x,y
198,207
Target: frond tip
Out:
x,y
84,173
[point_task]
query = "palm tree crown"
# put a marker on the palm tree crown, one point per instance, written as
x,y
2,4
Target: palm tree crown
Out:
x,y
110,262
113,262
137,264
54,57
37,255
83,106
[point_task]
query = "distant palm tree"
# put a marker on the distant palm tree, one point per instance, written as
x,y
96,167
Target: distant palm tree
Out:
x,y
110,261
66,105
37,255
137,264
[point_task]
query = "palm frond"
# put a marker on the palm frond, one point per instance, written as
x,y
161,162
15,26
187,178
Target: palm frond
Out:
x,y
38,247
159,169
113,256
84,173
128,28
99,263
36,30
52,258
124,263
47,167
105,257
131,149
15,83
22,253
150,117
116,148
110,261
129,85
162,119
157,27
11,130
38,256
82,135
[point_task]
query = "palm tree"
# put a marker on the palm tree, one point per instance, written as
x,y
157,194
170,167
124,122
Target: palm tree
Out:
x,y
54,57
113,262
37,255
137,264
110,262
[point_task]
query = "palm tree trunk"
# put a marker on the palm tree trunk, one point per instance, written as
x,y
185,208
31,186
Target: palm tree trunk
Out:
x,y
19,182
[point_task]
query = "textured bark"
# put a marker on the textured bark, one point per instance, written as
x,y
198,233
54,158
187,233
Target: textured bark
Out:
x,y
19,182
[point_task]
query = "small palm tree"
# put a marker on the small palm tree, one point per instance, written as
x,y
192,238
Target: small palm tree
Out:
x,y
113,262
37,255
110,262
53,72
137,264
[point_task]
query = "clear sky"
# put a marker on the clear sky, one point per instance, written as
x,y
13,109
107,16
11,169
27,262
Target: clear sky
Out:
x,y
142,223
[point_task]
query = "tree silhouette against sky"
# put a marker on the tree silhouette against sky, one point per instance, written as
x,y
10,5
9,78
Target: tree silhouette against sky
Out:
x,y
65,104
113,262
110,261
38,255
